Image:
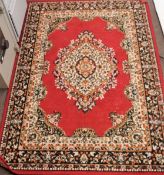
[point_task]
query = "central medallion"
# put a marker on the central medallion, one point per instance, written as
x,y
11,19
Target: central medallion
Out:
x,y
86,70
85,67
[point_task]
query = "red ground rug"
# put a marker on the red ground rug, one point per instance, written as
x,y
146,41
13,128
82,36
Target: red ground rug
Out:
x,y
86,96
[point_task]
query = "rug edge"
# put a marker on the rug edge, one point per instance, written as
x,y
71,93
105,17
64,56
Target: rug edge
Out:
x,y
2,123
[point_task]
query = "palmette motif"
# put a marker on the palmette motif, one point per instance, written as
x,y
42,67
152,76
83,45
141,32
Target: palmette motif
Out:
x,y
32,140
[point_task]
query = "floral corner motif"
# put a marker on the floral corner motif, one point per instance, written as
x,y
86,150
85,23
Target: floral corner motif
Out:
x,y
53,119
110,26
49,123
117,119
62,27
58,24
116,22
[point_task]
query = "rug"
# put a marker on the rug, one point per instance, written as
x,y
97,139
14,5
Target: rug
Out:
x,y
87,91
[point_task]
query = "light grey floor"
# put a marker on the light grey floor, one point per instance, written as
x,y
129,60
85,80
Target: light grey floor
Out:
x,y
158,32
3,93
160,43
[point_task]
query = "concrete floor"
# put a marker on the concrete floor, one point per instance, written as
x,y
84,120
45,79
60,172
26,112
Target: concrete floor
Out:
x,y
160,43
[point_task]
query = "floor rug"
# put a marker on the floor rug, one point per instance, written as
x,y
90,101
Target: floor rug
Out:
x,y
87,91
